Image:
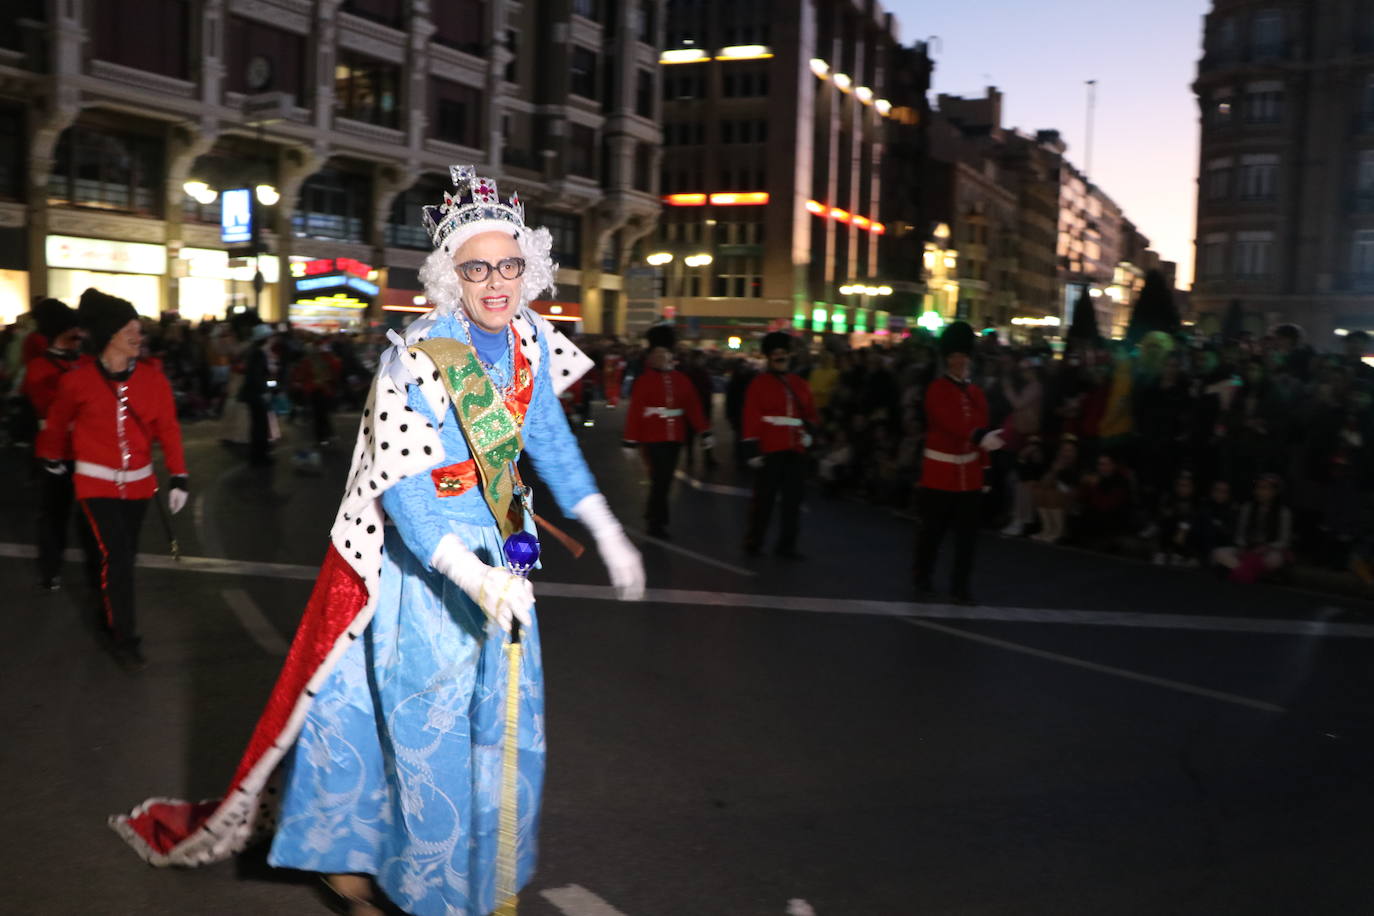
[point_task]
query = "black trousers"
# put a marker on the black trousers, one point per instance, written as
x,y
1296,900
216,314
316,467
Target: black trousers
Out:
x,y
321,408
662,459
783,476
258,431
115,523
55,500
941,511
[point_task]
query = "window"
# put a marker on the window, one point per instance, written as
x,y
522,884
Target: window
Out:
x,y
1264,103
1219,108
1259,176
513,46
246,40
387,12
587,9
333,205
1266,34
738,278
1253,252
1225,37
455,112
566,229
583,73
752,130
644,24
1217,185
151,35
1214,254
403,226
95,167
644,94
1362,256
745,84
581,151
644,167
366,90
12,152
460,24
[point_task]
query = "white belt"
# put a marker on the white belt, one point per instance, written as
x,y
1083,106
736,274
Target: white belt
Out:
x,y
952,459
783,421
666,413
120,477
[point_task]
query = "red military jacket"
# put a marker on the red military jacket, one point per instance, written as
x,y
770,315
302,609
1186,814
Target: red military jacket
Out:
x,y
662,405
86,422
954,412
777,410
43,373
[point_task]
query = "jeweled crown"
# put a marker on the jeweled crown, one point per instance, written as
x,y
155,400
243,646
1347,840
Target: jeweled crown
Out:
x,y
475,199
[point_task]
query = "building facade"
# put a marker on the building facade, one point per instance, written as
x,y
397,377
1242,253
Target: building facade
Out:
x,y
139,120
1285,212
774,124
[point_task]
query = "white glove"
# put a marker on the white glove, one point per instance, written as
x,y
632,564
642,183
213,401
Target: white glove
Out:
x,y
55,467
708,441
756,462
176,500
622,559
500,593
630,450
992,441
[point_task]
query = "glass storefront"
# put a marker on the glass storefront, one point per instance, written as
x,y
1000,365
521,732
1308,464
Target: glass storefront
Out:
x,y
129,270
211,285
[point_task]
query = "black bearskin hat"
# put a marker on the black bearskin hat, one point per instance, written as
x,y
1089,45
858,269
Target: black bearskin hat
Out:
x,y
957,338
776,340
661,335
53,317
102,315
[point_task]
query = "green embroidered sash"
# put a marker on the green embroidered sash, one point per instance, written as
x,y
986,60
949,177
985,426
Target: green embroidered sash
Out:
x,y
492,432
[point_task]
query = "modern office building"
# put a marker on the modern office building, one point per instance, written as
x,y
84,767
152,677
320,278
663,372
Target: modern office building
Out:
x,y
1285,211
775,120
126,126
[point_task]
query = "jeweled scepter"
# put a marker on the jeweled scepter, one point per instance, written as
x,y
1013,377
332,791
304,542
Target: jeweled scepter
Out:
x,y
522,553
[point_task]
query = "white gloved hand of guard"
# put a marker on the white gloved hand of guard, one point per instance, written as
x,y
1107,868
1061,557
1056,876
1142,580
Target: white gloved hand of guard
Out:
x,y
176,500
992,441
502,595
622,559
756,462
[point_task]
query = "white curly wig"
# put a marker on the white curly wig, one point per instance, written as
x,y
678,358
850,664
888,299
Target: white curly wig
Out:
x,y
440,279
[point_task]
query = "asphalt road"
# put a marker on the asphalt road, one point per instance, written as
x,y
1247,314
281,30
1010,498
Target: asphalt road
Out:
x,y
1098,737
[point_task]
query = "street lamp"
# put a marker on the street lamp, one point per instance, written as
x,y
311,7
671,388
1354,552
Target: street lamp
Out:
x,y
267,195
698,260
659,258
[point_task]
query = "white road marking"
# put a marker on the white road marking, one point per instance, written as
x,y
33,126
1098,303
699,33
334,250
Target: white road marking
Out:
x,y
1123,673
255,621
856,606
699,557
722,489
575,900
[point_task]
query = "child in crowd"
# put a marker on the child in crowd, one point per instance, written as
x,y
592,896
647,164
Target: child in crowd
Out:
x,y
1264,535
1215,524
1030,467
1106,499
1176,541
1054,491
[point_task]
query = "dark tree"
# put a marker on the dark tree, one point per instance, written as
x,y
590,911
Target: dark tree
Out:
x,y
1083,326
1233,323
1154,310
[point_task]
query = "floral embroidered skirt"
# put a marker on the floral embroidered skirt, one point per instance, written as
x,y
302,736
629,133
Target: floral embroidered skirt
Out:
x,y
397,770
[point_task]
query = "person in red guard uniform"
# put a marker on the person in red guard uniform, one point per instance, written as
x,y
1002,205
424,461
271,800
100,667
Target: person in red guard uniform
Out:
x,y
106,416
56,323
663,405
956,450
779,414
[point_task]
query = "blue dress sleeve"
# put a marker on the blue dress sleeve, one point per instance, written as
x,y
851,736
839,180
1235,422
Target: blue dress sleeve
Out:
x,y
551,444
409,503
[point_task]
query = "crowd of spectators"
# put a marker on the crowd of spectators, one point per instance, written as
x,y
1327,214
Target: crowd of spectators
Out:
x,y
1241,455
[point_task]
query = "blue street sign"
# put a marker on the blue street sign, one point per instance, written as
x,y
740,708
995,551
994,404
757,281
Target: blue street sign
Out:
x,y
236,216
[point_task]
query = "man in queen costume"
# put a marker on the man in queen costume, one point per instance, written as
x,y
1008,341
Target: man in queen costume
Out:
x,y
389,719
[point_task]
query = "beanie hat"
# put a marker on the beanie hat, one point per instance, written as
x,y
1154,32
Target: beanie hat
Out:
x,y
102,316
776,340
661,335
957,338
53,317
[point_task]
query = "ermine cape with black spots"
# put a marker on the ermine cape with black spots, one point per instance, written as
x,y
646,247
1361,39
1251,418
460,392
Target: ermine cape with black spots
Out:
x,y
166,831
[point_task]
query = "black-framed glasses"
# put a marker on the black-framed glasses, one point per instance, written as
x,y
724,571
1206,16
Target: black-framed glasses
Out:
x,y
479,271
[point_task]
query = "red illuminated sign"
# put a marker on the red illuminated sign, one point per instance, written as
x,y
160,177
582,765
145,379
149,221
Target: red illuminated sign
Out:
x,y
343,265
